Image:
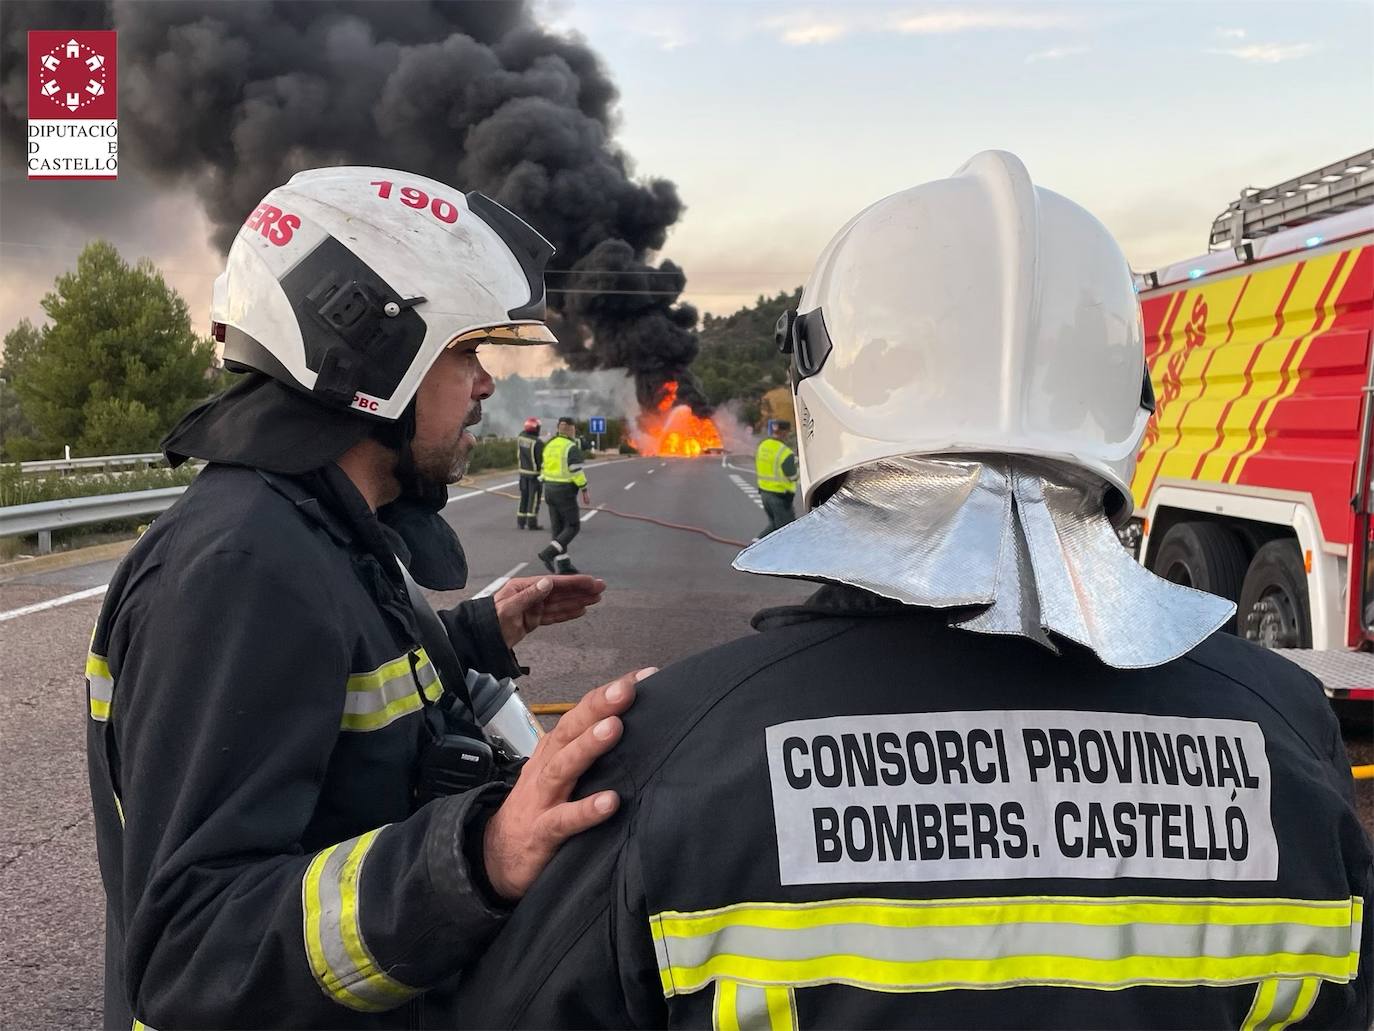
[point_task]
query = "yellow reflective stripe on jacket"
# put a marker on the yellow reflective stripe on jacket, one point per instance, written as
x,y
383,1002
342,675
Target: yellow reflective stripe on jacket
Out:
x,y
745,1007
382,696
905,945
525,450
99,686
768,460
1279,1003
338,955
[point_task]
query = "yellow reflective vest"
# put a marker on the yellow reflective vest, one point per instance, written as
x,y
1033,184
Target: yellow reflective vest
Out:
x,y
768,462
563,463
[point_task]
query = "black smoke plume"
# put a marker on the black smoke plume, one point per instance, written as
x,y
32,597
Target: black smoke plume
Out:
x,y
233,97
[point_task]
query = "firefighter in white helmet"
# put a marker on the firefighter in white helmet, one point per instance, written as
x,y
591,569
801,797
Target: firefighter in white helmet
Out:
x,y
297,823
993,773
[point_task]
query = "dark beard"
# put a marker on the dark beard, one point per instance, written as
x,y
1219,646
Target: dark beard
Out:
x,y
450,465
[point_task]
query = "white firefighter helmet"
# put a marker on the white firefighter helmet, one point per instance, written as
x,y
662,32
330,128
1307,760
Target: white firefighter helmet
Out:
x,y
348,283
974,314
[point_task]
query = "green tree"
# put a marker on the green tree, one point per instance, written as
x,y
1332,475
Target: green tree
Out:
x,y
14,428
739,359
116,365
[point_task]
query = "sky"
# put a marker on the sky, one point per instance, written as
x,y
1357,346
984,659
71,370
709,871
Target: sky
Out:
x,y
779,121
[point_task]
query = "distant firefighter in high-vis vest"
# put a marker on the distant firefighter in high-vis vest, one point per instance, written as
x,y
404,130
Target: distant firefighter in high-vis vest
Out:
x,y
563,479
775,465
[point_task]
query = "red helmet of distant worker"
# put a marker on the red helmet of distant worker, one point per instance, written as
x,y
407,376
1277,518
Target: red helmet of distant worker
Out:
x,y
531,425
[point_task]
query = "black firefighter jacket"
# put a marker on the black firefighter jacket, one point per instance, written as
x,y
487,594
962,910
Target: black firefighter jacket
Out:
x,y
862,817
255,689
530,452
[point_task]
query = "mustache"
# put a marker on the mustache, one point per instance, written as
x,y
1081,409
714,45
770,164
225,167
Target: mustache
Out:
x,y
474,415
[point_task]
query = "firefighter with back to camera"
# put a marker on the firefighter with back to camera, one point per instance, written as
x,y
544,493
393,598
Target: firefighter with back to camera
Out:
x,y
993,773
531,456
296,824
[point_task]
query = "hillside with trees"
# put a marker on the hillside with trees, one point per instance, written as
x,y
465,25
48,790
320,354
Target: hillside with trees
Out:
x,y
739,360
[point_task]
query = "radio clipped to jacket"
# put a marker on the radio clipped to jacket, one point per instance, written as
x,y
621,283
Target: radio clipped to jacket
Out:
x,y
480,730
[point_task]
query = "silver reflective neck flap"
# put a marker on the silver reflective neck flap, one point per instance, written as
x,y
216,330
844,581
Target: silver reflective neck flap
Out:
x,y
1026,542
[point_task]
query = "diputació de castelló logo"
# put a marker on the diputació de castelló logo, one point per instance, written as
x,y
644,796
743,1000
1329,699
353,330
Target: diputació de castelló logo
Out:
x,y
73,105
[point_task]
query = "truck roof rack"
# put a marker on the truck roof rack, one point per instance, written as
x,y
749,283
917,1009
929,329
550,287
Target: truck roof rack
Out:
x,y
1330,190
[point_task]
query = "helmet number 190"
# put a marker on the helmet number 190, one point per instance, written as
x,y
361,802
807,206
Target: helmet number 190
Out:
x,y
413,197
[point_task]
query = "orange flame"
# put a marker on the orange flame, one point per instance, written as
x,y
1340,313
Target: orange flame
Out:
x,y
672,429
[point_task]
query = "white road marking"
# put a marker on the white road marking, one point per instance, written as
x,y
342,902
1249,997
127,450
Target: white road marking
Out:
x,y
472,493
499,582
652,471
630,484
748,488
588,515
52,603
481,490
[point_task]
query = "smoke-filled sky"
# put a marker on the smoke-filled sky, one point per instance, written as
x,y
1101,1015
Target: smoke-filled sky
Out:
x,y
775,122
227,99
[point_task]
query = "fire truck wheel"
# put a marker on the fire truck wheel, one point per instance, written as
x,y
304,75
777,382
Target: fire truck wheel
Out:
x,y
1206,556
1274,609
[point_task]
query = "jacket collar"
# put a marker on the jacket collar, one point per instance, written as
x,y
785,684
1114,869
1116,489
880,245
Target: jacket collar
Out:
x,y
830,601
329,499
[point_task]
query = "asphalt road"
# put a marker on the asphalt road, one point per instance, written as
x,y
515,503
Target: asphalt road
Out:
x,y
669,593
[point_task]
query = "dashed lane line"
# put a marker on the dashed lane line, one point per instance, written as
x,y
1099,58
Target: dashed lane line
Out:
x,y
748,488
475,492
630,484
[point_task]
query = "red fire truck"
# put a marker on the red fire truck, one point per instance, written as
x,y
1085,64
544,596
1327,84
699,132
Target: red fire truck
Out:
x,y
1254,480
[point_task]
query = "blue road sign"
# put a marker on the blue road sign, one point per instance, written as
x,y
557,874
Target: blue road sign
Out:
x,y
597,424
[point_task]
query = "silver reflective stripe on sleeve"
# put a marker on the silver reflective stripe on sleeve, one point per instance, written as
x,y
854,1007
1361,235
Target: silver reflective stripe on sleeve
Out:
x,y
339,956
380,697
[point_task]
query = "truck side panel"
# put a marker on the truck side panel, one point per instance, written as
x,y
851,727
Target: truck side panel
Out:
x,y
1259,376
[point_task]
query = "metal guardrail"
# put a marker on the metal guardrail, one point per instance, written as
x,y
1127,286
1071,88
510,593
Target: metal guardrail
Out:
x,y
61,465
43,517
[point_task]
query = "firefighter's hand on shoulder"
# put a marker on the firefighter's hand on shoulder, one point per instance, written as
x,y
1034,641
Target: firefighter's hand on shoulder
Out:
x,y
528,602
539,814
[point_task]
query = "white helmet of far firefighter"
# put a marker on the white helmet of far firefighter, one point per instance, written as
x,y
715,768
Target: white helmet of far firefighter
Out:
x,y
974,314
348,282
